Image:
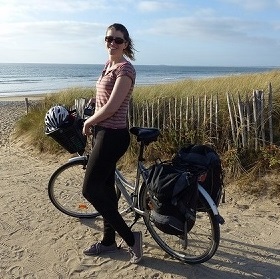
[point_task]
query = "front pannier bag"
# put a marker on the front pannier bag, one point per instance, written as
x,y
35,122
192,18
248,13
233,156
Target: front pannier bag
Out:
x,y
173,199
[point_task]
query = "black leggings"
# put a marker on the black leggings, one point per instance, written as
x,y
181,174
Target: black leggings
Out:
x,y
99,182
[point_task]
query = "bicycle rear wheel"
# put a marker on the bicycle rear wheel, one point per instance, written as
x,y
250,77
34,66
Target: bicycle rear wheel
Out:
x,y
203,239
65,190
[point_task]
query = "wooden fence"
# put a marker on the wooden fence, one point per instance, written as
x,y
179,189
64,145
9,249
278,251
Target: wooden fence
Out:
x,y
238,124
251,120
187,119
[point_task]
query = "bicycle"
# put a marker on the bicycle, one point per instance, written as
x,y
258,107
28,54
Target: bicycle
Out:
x,y
65,192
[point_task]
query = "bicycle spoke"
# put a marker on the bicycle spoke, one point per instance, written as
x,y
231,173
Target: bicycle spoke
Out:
x,y
65,191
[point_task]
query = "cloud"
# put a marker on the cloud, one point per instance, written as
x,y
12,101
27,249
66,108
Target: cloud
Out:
x,y
60,29
255,5
54,5
215,29
17,10
152,6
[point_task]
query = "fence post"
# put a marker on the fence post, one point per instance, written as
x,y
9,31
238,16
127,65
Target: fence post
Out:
x,y
80,105
262,103
255,115
192,113
216,118
242,124
231,118
158,109
198,116
175,114
270,113
187,114
27,105
205,111
248,122
181,118
204,117
211,116
153,120
147,114
164,115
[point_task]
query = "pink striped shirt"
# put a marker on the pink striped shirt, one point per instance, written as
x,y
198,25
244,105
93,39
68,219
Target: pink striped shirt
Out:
x,y
104,87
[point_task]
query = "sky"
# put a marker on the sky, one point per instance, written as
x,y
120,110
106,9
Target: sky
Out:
x,y
167,32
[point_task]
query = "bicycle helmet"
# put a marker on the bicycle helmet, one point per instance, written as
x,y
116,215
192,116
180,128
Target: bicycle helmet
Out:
x,y
56,116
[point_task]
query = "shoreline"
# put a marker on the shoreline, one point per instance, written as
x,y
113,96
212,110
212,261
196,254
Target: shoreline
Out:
x,y
21,98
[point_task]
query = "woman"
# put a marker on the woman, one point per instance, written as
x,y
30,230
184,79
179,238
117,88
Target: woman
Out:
x,y
111,140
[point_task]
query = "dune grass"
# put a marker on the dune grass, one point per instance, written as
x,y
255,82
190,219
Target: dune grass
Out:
x,y
32,125
242,166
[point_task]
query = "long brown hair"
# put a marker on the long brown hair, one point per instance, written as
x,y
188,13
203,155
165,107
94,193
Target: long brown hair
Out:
x,y
129,50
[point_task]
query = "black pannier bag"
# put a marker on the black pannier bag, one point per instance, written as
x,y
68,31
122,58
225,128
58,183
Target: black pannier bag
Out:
x,y
197,158
173,199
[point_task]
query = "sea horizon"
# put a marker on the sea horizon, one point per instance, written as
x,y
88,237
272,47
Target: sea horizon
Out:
x,y
18,79
168,65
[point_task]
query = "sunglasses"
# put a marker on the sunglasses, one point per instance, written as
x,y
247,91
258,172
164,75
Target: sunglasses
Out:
x,y
118,40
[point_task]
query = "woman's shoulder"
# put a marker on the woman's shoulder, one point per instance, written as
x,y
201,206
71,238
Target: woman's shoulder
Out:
x,y
126,67
126,64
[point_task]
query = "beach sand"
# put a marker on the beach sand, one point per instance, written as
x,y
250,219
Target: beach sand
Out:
x,y
22,98
38,241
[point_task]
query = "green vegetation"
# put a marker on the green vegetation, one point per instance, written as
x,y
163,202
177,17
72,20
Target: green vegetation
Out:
x,y
247,167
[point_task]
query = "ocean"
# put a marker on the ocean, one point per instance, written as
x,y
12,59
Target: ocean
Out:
x,y
18,79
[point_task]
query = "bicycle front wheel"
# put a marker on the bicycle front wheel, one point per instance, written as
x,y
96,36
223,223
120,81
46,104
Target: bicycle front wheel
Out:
x,y
65,190
202,241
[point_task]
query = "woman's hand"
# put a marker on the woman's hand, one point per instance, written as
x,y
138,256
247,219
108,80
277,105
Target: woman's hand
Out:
x,y
87,127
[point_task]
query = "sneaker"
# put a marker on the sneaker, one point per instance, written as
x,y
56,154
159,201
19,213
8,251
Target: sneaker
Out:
x,y
136,251
98,248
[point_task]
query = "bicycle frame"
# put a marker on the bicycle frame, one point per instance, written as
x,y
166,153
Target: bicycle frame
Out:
x,y
122,183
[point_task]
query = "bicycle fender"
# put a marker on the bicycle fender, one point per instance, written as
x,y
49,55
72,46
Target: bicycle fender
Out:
x,y
78,159
209,200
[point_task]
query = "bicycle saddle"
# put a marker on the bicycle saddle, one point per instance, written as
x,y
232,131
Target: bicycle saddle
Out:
x,y
147,135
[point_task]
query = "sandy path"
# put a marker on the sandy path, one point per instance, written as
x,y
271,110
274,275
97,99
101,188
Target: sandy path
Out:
x,y
37,241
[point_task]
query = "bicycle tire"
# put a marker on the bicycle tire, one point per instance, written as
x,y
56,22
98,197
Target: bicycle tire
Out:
x,y
203,239
65,190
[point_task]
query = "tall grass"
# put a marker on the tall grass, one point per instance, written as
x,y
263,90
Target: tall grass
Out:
x,y
67,97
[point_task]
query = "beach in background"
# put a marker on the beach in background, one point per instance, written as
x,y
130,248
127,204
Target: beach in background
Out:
x,y
22,98
22,79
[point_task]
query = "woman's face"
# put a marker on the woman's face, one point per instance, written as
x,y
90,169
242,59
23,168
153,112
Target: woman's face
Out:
x,y
115,42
